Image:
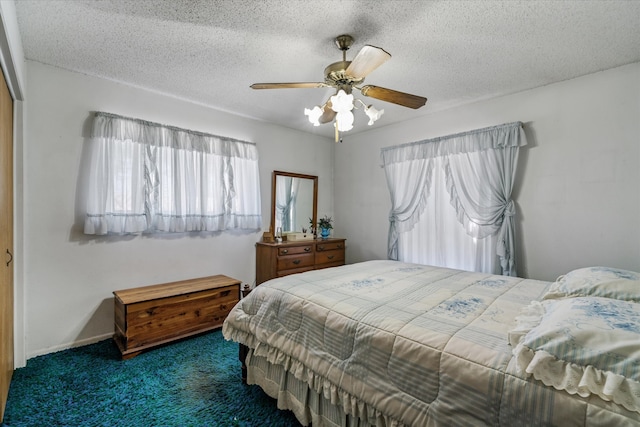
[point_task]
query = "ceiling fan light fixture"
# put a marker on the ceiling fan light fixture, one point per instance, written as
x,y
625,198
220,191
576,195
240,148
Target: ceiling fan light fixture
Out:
x,y
345,76
314,115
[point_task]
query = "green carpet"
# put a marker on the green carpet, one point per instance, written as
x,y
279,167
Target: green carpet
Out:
x,y
194,382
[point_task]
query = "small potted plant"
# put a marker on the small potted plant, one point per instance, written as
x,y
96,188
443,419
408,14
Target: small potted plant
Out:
x,y
324,224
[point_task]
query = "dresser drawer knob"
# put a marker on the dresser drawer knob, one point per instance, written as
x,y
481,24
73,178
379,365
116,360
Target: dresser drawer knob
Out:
x,y
224,293
296,261
330,256
339,245
285,251
307,249
321,248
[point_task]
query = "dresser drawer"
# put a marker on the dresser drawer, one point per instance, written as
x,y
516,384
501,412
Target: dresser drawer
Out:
x,y
295,261
329,246
292,250
325,257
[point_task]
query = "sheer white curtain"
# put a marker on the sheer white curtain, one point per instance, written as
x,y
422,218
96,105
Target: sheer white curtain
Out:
x,y
472,177
147,177
438,239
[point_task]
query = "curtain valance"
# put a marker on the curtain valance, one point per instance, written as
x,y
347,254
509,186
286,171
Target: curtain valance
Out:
x,y
147,177
501,136
112,126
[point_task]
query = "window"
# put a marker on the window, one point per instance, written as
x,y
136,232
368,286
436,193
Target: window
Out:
x,y
451,199
147,177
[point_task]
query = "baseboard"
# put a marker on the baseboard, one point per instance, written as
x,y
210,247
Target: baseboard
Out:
x,y
67,346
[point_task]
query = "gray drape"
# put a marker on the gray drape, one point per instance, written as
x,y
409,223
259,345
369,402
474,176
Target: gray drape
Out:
x,y
480,169
286,196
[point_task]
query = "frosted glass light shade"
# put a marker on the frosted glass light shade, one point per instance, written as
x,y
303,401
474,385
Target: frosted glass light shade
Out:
x,y
341,102
314,115
344,119
373,114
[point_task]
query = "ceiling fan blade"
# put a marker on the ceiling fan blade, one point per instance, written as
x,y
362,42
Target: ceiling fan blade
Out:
x,y
368,59
301,85
393,96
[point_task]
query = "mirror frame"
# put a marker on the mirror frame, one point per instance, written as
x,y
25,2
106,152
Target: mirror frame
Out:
x,y
272,228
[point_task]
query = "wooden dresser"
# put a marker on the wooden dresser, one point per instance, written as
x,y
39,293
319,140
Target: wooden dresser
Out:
x,y
280,259
148,316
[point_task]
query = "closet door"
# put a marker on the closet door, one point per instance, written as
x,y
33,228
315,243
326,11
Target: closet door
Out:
x,y
6,243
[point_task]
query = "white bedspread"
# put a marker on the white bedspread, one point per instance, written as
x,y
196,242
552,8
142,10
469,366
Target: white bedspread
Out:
x,y
406,344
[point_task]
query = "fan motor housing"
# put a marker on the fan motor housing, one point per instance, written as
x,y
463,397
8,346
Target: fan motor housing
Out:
x,y
336,75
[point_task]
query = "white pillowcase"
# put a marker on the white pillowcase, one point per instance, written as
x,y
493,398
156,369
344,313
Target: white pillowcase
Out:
x,y
597,281
583,345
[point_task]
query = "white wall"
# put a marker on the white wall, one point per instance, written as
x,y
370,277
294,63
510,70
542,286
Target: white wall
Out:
x,y
578,190
70,277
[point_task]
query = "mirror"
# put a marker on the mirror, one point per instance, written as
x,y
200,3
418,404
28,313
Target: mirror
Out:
x,y
294,199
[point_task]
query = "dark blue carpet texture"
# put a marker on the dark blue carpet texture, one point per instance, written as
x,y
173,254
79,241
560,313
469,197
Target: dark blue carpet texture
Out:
x,y
193,382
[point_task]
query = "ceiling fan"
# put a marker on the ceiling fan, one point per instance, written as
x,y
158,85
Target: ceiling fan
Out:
x,y
345,76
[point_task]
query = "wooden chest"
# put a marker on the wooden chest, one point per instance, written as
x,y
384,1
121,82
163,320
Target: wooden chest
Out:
x,y
153,315
281,259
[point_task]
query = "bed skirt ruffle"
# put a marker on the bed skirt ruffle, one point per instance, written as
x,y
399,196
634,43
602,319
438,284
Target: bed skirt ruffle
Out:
x,y
312,398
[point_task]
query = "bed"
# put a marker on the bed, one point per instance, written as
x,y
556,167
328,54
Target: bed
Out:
x,y
386,343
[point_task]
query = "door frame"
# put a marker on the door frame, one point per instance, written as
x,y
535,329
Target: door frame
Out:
x,y
13,66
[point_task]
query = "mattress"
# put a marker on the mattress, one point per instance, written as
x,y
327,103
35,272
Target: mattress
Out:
x,y
387,343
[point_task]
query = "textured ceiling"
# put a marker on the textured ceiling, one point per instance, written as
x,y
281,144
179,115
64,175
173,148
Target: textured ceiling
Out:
x,y
210,51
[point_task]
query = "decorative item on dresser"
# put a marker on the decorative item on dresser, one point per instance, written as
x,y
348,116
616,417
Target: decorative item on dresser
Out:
x,y
149,316
280,259
324,225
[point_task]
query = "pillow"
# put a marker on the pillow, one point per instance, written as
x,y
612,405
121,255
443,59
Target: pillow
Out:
x,y
597,281
583,345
